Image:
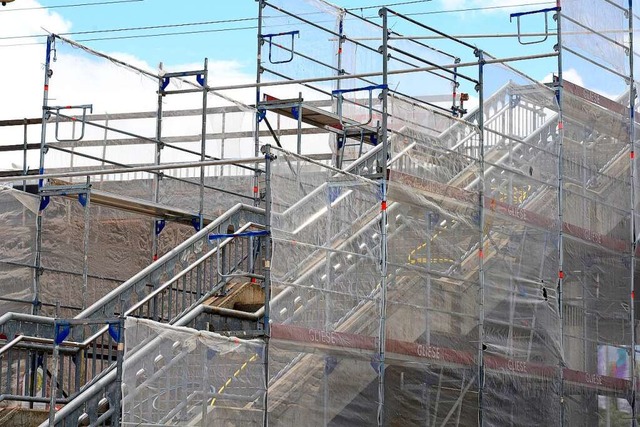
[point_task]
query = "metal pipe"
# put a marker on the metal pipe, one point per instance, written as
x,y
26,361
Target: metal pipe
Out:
x,y
149,168
433,30
157,160
425,61
632,225
43,138
481,290
383,218
559,100
85,243
370,74
8,346
267,278
96,307
203,142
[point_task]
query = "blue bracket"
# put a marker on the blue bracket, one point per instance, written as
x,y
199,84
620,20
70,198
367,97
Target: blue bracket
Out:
x,y
270,37
62,330
44,202
115,331
295,112
165,83
200,79
532,12
374,139
195,222
82,199
519,15
359,89
262,113
160,226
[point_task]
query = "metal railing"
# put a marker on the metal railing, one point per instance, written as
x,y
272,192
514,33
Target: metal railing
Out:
x,y
195,274
171,300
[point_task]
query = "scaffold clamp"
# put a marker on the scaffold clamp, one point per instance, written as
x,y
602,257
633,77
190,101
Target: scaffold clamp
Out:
x,y
160,224
44,202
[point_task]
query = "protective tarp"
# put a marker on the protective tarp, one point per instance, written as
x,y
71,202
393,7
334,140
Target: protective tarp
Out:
x,y
326,289
17,256
181,376
599,189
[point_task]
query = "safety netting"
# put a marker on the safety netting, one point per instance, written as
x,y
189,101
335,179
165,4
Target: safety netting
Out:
x,y
176,376
599,190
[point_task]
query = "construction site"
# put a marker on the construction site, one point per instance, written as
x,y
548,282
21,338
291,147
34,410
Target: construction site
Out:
x,y
391,226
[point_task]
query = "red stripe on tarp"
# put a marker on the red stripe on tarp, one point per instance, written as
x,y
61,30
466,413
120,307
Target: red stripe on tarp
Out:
x,y
443,355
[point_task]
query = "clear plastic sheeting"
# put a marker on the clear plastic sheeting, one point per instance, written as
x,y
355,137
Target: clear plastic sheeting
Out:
x,y
325,310
599,203
17,257
180,376
601,36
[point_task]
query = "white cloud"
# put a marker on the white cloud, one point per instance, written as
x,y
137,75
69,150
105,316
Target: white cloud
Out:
x,y
82,78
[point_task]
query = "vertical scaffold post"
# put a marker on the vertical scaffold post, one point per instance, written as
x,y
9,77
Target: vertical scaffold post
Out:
x,y
85,241
25,167
116,417
200,273
158,154
268,157
632,225
559,95
203,142
43,140
481,286
383,216
256,136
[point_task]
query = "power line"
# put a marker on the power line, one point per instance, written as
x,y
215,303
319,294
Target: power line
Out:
x,y
474,9
140,36
150,27
60,6
388,5
185,24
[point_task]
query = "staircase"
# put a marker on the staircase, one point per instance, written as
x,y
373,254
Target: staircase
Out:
x,y
192,285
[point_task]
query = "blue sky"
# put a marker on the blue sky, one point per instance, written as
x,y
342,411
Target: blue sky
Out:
x,y
240,44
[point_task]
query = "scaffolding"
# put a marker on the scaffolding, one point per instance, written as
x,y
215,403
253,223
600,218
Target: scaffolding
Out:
x,y
408,231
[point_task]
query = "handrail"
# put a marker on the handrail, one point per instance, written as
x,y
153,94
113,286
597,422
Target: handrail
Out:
x,y
25,318
114,294
185,318
166,284
11,344
110,374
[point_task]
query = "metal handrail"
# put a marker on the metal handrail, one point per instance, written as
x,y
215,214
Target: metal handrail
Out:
x,y
165,285
114,295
